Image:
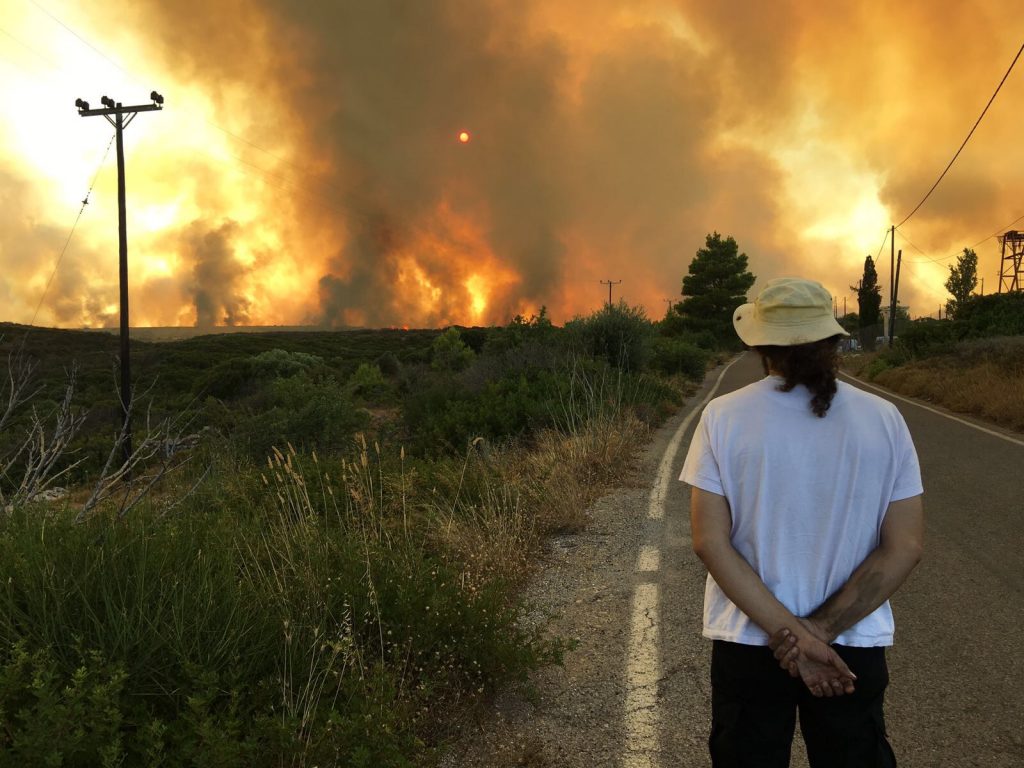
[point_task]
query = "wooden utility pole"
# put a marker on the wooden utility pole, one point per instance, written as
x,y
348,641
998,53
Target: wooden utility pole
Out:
x,y
895,291
892,260
610,283
115,114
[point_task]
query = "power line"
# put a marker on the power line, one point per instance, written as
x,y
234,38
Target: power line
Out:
x,y
1000,231
80,38
916,248
976,123
287,183
940,259
284,182
85,202
131,75
884,241
24,45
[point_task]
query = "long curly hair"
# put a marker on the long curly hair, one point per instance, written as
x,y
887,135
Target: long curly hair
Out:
x,y
814,365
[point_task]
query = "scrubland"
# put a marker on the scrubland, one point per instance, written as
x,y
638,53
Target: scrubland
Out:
x,y
980,377
330,574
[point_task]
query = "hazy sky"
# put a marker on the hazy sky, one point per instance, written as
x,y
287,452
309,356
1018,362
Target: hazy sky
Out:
x,y
308,168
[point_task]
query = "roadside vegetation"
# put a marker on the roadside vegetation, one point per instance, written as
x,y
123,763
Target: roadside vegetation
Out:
x,y
972,362
314,555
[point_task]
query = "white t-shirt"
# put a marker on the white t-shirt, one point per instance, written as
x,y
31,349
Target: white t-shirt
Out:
x,y
807,495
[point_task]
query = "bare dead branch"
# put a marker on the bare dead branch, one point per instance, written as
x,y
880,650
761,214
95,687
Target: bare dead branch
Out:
x,y
16,391
45,454
152,458
47,442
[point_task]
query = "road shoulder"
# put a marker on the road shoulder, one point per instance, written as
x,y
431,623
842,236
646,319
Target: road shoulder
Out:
x,y
574,715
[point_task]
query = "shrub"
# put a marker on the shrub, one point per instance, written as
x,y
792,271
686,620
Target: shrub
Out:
x,y
279,363
389,364
444,415
226,380
998,314
449,352
521,332
926,337
368,381
315,414
980,376
876,366
238,377
618,333
672,356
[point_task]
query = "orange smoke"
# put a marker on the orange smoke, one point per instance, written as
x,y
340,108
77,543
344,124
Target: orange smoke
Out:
x,y
306,168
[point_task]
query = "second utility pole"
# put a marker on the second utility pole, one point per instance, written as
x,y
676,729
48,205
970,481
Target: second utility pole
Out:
x,y
115,114
895,295
609,283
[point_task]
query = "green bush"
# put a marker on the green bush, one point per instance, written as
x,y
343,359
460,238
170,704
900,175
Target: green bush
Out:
x,y
876,366
520,332
449,352
227,380
922,338
39,700
280,363
237,377
444,415
998,314
675,325
618,334
368,381
389,364
675,356
315,414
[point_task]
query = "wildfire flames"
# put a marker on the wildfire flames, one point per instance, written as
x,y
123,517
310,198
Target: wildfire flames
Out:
x,y
304,170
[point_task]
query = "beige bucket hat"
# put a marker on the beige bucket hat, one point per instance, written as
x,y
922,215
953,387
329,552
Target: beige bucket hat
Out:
x,y
787,312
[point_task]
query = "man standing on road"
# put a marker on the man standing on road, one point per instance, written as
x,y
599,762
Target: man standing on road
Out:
x,y
806,509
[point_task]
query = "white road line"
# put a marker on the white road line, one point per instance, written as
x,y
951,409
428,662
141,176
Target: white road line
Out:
x,y
656,506
643,662
966,423
643,671
649,560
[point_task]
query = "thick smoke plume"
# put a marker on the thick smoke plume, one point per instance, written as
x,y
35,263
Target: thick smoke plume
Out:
x,y
606,139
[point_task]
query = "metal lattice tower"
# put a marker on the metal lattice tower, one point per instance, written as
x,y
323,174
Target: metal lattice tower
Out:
x,y
1011,268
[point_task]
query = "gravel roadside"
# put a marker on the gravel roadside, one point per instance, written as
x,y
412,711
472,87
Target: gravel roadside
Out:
x,y
574,715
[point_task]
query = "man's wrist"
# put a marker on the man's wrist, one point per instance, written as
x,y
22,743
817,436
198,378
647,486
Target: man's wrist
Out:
x,y
819,628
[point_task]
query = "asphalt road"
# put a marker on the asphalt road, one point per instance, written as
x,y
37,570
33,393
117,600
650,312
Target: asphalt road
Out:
x,y
635,693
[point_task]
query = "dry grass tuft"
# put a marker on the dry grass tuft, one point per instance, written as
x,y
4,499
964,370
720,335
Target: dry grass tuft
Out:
x,y
532,492
566,472
492,540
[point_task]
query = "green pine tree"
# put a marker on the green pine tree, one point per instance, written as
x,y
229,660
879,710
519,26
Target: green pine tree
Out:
x,y
869,302
717,283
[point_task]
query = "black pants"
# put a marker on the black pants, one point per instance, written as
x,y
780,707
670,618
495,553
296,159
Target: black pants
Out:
x,y
754,705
